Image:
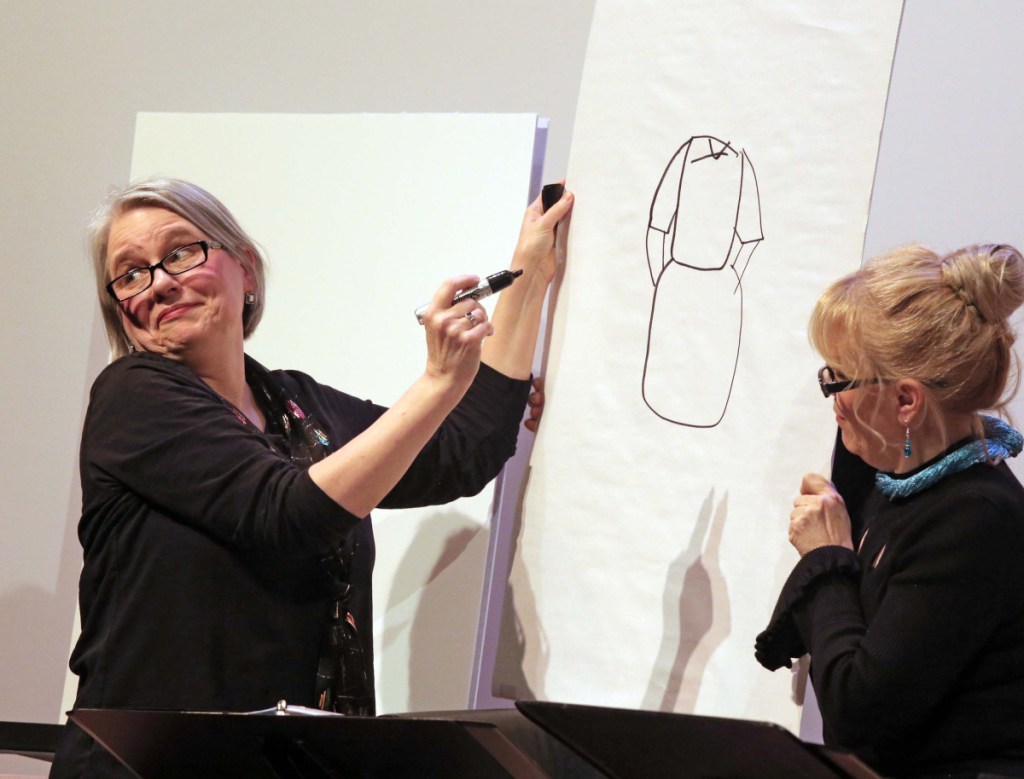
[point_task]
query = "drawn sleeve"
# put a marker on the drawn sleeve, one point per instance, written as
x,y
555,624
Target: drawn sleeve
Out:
x,y
666,196
662,218
748,219
749,231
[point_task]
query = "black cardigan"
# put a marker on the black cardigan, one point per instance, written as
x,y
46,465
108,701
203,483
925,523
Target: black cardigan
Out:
x,y
917,639
201,587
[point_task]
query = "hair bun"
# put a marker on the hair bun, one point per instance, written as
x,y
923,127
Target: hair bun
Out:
x,y
987,277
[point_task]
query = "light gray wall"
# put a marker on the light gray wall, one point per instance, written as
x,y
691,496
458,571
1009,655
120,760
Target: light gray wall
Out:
x,y
75,74
950,167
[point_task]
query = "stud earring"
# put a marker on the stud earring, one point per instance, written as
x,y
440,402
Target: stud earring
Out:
x,y
250,298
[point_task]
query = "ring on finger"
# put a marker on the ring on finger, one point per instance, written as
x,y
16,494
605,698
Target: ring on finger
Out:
x,y
471,317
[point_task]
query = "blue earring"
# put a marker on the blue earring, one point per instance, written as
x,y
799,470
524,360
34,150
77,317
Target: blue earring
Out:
x,y
906,445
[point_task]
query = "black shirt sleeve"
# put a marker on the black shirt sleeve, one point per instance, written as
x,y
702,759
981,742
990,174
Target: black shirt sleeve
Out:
x,y
854,480
470,448
467,451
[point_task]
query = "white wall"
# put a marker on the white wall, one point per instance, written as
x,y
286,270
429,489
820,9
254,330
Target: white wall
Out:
x,y
75,74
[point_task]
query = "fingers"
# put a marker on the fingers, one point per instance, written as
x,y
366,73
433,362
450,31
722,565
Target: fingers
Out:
x,y
535,250
446,292
816,484
830,501
476,317
465,315
465,318
555,213
451,328
535,403
819,516
463,326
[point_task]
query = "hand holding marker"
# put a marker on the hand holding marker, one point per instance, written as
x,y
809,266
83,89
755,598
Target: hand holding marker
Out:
x,y
496,282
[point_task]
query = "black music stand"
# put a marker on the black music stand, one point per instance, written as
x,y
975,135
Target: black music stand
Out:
x,y
624,743
213,745
29,739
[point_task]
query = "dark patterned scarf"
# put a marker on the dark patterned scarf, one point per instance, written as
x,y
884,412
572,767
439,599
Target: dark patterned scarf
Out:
x,y
342,681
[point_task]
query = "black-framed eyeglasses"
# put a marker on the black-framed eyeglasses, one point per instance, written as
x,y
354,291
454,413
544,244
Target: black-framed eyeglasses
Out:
x,y
181,260
830,384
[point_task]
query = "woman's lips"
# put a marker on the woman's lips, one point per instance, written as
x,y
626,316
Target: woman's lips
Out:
x,y
172,313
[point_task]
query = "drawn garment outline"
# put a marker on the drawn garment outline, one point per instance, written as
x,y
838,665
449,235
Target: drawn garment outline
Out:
x,y
704,224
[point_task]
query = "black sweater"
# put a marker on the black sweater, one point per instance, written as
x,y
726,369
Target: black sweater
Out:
x,y
917,639
201,587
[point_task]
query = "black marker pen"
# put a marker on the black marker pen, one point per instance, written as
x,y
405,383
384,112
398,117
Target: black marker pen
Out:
x,y
496,282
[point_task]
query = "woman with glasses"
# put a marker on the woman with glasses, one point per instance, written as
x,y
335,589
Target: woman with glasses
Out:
x,y
914,619
225,524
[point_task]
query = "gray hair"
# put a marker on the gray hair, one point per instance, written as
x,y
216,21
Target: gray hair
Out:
x,y
189,202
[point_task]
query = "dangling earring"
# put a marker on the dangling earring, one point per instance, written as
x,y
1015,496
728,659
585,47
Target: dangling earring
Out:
x,y
906,445
250,298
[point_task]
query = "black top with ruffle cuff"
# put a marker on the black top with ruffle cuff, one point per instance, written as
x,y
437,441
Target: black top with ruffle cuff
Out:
x,y
780,642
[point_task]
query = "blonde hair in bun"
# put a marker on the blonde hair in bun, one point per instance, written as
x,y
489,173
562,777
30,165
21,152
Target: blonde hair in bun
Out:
x,y
940,319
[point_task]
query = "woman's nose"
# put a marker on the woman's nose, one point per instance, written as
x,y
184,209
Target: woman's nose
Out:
x,y
164,282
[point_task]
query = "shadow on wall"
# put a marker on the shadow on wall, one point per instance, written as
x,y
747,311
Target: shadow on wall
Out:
x,y
441,629
696,614
38,623
522,646
25,640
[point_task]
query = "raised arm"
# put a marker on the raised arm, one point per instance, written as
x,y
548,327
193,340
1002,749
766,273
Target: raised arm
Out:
x,y
363,471
359,475
517,314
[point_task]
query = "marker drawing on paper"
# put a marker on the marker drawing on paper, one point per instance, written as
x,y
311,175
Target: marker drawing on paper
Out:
x,y
704,225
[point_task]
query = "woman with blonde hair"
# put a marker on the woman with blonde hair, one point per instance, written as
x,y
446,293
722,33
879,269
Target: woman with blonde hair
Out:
x,y
913,613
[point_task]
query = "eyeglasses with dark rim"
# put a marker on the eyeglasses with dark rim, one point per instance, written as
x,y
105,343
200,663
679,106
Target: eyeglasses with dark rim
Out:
x,y
830,384
181,260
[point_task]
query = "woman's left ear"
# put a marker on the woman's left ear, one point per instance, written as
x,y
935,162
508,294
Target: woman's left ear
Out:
x,y
247,276
910,400
246,264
